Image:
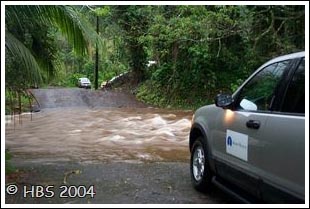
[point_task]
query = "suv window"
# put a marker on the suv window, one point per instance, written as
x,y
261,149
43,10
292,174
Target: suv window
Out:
x,y
294,101
257,94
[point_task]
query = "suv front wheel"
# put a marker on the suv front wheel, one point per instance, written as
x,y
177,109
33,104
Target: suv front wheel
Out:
x,y
200,170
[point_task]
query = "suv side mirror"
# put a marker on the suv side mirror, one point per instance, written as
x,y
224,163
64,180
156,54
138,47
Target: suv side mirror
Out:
x,y
224,101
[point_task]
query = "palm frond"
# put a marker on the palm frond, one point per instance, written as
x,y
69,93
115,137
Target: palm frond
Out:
x,y
77,31
67,20
21,52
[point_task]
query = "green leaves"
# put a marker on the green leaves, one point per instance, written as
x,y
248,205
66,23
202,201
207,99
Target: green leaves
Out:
x,y
18,51
200,49
206,49
102,11
30,39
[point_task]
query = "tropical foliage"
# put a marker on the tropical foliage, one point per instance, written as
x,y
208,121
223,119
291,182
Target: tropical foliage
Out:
x,y
199,50
30,43
202,50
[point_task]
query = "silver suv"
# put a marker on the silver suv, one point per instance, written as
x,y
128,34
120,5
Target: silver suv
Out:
x,y
252,143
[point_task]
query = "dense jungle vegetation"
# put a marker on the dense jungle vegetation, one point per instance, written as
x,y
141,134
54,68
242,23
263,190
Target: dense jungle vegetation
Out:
x,y
199,50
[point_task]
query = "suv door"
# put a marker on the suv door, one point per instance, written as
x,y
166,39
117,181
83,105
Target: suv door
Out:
x,y
282,157
241,138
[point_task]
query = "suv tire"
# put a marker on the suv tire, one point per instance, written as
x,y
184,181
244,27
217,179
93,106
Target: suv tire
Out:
x,y
200,170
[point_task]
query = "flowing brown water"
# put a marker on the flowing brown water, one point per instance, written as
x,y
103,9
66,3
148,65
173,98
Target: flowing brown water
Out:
x,y
100,135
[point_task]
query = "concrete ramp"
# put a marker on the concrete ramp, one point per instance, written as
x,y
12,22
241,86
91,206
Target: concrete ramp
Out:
x,y
77,97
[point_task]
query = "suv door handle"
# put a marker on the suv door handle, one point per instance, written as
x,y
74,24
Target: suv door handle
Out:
x,y
255,124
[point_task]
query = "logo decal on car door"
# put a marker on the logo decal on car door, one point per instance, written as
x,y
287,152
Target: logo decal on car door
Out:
x,y
237,144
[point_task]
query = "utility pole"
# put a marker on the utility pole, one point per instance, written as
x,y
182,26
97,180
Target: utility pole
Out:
x,y
97,56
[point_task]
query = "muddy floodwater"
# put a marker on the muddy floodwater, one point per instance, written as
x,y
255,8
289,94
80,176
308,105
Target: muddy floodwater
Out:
x,y
130,152
91,135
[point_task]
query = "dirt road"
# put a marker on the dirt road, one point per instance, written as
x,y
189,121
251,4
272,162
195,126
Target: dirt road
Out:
x,y
106,143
